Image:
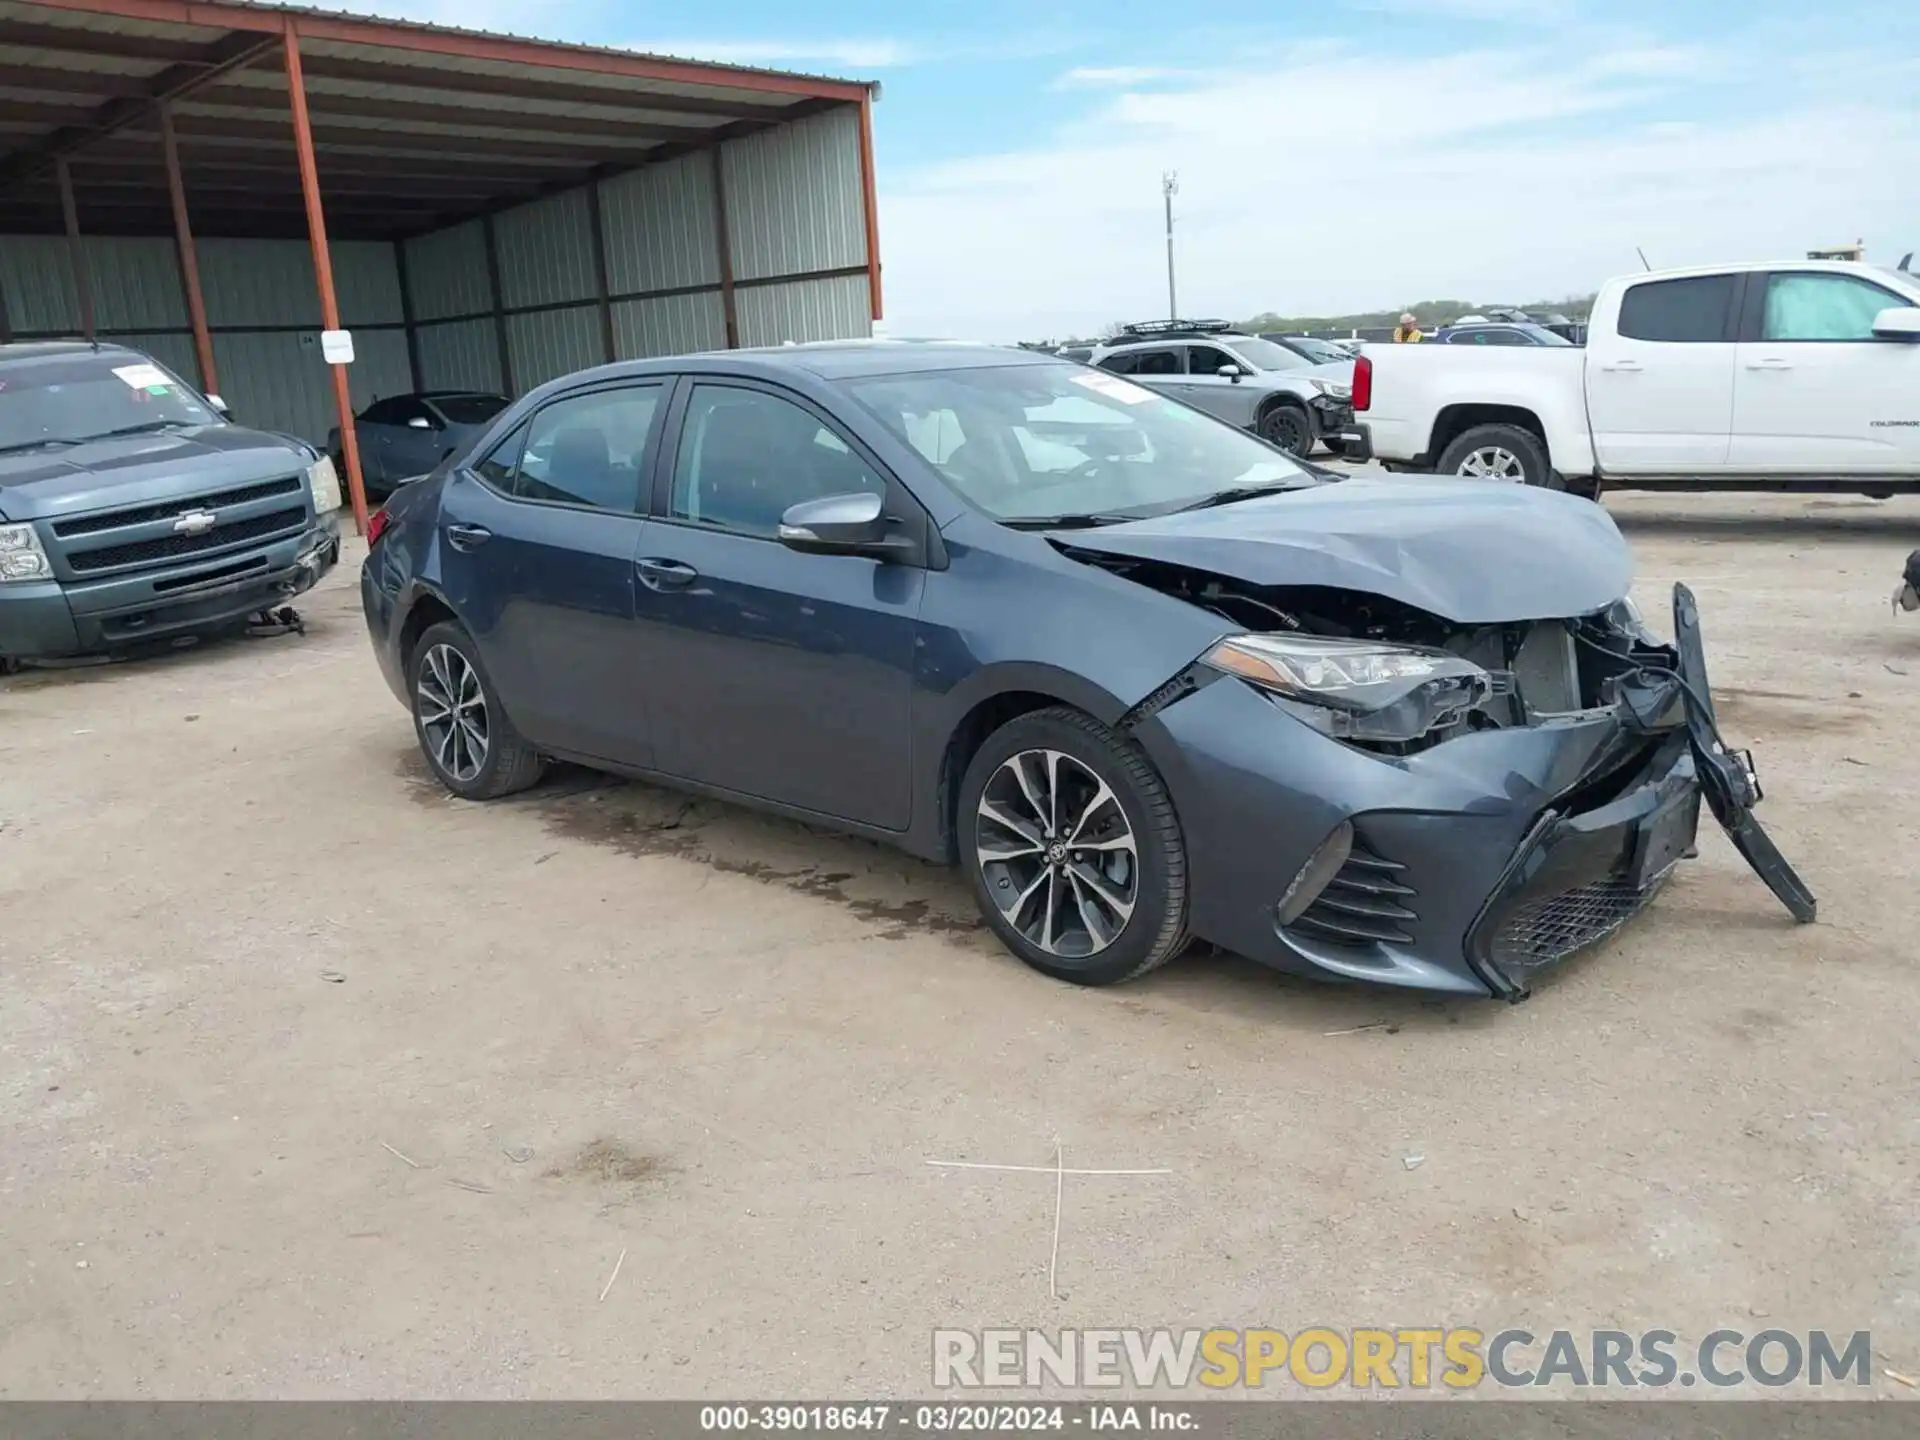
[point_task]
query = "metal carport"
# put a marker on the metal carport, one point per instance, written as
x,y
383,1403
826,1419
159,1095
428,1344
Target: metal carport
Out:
x,y
217,181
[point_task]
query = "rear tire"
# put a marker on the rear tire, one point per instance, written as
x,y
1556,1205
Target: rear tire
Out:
x,y
470,745
1095,913
1499,452
1289,426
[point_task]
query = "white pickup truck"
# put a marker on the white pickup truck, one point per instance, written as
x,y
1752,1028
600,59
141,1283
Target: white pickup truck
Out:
x,y
1796,376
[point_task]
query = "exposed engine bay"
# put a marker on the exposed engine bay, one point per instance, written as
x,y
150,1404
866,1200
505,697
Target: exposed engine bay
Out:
x,y
1538,669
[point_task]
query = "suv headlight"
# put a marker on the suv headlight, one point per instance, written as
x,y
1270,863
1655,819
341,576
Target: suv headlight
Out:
x,y
1333,388
1357,689
325,485
21,557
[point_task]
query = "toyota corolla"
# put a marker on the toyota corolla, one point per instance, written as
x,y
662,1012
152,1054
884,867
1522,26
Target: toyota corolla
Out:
x,y
1142,676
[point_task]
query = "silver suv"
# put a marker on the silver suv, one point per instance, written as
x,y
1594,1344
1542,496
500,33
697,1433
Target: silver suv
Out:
x,y
1281,396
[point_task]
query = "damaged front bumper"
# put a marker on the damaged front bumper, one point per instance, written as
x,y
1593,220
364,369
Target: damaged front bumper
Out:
x,y
1468,867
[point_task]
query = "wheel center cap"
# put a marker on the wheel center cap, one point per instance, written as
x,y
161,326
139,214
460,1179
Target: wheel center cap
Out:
x,y
1056,852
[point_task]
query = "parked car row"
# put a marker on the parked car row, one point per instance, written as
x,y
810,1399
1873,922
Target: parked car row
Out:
x,y
1142,675
1279,392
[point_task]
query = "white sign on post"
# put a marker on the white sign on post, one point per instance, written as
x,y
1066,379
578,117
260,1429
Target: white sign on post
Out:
x,y
336,347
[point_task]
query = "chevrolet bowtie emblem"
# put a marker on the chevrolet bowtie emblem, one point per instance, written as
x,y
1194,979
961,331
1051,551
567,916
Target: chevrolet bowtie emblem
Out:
x,y
195,522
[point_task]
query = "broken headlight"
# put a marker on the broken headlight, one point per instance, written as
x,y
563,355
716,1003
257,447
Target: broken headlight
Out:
x,y
1357,689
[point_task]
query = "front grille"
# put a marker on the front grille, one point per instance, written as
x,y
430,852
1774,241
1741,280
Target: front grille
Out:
x,y
168,509
169,583
1368,902
169,547
1547,930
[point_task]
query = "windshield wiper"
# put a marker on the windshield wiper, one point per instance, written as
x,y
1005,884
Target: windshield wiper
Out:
x,y
1234,493
42,443
1064,522
142,428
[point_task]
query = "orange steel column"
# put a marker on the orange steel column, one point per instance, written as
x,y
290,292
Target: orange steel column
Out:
x,y
189,260
872,205
323,268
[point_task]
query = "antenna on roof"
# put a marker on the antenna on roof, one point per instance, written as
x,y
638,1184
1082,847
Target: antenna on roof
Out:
x,y
1906,263
1643,258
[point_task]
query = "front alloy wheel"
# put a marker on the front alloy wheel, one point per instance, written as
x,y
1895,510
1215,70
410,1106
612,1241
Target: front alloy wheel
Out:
x,y
1058,854
1071,845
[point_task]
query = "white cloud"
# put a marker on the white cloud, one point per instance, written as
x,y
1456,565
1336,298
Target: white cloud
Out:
x,y
1314,187
1094,77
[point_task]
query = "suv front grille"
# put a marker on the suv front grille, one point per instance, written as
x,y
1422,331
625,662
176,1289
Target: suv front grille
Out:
x,y
1547,930
1367,902
168,547
169,509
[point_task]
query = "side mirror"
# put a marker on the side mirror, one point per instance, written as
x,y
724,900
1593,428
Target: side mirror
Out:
x,y
219,407
419,422
1899,323
840,525
1231,372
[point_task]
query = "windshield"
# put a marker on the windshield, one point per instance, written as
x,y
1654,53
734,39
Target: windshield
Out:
x,y
69,399
1035,442
1265,355
1321,352
469,409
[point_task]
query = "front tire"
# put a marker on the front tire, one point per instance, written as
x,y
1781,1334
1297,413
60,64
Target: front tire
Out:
x,y
1499,452
1288,426
470,745
1070,842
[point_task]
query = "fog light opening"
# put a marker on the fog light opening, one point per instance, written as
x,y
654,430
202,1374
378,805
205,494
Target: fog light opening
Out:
x,y
1316,874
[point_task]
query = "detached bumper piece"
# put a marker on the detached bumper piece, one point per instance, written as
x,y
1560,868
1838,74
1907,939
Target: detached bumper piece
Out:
x,y
1577,879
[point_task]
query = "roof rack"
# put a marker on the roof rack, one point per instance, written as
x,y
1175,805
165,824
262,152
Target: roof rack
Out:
x,y
1159,329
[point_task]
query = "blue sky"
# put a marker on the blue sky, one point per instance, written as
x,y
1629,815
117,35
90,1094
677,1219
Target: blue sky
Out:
x,y
1333,155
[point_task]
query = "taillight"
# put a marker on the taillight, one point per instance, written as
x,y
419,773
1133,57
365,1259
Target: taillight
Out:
x,y
377,524
1362,383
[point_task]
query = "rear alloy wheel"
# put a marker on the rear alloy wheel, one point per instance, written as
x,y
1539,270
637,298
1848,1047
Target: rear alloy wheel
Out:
x,y
1288,426
1499,452
471,746
1073,850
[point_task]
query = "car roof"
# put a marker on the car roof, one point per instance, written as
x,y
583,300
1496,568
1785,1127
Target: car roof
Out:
x,y
831,360
25,350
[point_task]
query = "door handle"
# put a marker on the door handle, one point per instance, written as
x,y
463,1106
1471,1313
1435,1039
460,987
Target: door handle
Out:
x,y
1631,366
468,537
1770,362
665,574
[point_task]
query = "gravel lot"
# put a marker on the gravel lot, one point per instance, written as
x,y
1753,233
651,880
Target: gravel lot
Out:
x,y
314,1082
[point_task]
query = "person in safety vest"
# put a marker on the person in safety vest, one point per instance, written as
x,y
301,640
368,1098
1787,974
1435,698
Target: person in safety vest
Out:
x,y
1407,331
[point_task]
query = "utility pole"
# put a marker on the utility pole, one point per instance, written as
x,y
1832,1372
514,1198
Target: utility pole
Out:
x,y
1170,187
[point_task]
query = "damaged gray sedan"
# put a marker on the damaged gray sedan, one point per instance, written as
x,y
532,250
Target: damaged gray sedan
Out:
x,y
1144,677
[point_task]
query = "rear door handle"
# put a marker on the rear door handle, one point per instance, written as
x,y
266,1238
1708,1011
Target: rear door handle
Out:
x,y
1770,362
1628,365
665,574
468,537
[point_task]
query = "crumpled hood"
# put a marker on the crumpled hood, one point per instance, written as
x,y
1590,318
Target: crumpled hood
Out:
x,y
136,469
1473,552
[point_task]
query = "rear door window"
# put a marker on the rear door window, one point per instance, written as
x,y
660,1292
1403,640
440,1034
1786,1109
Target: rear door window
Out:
x,y
589,449
1689,311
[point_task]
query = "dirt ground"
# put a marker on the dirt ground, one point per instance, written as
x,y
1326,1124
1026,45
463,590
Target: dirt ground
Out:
x,y
315,1082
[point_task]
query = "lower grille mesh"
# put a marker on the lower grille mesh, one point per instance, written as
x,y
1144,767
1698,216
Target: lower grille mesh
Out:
x,y
1368,902
1547,930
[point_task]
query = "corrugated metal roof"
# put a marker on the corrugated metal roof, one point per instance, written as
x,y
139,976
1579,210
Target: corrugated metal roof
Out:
x,y
116,24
